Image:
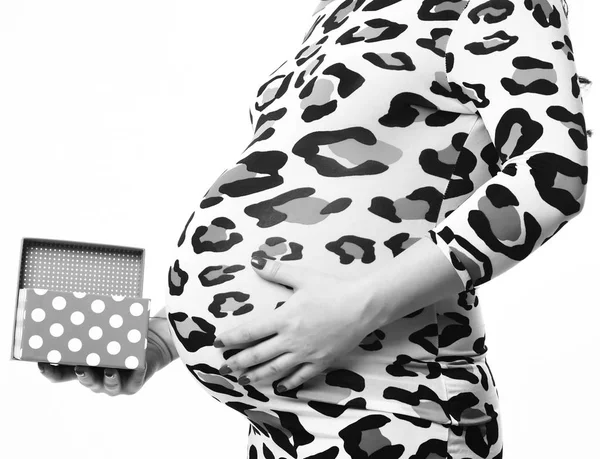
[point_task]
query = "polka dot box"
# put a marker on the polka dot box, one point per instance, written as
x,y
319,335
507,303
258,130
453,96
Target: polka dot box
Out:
x,y
80,303
74,328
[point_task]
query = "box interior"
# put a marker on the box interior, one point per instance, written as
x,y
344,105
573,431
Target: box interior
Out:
x,y
81,267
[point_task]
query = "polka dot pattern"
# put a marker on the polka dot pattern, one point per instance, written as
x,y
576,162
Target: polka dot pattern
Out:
x,y
134,336
59,303
77,318
78,328
98,306
136,309
75,345
54,356
35,342
38,314
113,348
56,330
92,359
95,332
115,321
131,362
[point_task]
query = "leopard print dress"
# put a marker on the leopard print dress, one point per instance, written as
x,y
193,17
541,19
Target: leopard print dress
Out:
x,y
393,120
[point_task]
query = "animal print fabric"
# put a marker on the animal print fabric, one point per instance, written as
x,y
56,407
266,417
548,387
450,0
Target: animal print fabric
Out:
x,y
393,120
324,431
526,94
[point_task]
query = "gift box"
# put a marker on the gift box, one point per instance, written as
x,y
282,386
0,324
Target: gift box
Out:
x,y
80,303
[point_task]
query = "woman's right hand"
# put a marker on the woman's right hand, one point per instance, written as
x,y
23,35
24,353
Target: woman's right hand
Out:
x,y
123,381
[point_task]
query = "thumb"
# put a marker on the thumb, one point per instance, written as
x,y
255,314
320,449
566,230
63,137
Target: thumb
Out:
x,y
276,271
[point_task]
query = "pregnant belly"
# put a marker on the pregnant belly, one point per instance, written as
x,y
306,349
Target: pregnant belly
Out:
x,y
342,225
346,225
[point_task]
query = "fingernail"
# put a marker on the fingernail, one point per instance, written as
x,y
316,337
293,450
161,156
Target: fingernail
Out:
x,y
218,343
109,373
79,372
258,262
42,369
225,370
244,380
281,388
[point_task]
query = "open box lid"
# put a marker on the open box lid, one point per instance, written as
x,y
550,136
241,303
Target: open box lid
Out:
x,y
72,266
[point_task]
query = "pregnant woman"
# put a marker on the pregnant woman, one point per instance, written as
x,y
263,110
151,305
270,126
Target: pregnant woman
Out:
x,y
406,153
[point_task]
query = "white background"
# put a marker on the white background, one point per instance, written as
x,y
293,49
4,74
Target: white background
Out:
x,y
116,116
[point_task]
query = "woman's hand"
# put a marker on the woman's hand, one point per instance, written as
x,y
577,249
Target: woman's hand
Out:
x,y
122,381
325,318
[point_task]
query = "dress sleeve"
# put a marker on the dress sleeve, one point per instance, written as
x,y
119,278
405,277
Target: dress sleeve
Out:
x,y
512,62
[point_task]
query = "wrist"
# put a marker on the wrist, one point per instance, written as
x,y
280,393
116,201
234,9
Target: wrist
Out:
x,y
374,313
159,332
161,346
390,290
415,279
155,359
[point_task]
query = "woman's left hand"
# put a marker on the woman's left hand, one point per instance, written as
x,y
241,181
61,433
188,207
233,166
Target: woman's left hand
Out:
x,y
325,317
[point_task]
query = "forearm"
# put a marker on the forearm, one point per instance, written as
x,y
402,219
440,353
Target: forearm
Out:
x,y
158,334
418,277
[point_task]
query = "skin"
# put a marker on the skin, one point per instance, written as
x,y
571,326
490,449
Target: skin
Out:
x,y
323,319
326,316
124,382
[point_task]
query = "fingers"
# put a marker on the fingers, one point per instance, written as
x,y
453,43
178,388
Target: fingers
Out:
x,y
136,379
112,381
257,330
252,356
99,380
300,376
88,377
280,366
108,380
57,373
